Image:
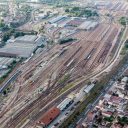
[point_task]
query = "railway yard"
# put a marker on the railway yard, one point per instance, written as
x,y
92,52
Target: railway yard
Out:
x,y
45,71
81,48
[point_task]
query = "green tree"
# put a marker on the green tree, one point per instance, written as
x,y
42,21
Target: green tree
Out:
x,y
5,92
67,10
5,37
2,24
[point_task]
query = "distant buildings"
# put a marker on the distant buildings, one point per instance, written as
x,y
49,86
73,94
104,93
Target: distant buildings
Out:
x,y
57,19
34,0
112,106
76,22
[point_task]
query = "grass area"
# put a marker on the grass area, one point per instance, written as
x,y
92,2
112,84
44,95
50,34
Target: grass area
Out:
x,y
125,36
64,79
66,88
93,94
125,48
124,51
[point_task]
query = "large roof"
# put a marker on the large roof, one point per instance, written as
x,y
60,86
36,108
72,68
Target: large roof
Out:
x,y
75,22
49,116
88,25
27,38
18,49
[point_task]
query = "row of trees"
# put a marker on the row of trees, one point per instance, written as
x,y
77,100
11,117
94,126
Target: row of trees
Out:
x,y
81,12
7,35
123,120
3,26
63,41
14,33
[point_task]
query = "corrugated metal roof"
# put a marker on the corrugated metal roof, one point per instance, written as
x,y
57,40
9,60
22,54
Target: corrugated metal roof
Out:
x,y
88,89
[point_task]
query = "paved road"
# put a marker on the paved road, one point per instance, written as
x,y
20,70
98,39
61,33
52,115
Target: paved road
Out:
x,y
11,79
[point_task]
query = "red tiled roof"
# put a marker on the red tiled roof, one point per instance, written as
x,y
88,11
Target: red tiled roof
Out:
x,y
49,116
108,113
90,116
78,126
116,126
115,99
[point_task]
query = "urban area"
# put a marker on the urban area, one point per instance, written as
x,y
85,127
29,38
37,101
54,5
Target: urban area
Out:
x,y
63,63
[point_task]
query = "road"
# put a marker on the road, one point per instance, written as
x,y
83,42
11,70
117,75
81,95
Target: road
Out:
x,y
11,79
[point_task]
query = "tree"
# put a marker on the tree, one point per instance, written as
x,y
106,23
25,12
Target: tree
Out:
x,y
63,41
2,24
17,34
5,92
75,9
5,37
123,120
109,119
67,10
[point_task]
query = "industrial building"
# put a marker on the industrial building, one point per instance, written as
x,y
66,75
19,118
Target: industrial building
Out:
x,y
5,62
17,50
88,25
88,88
57,19
48,117
22,46
65,104
75,22
40,16
31,39
102,4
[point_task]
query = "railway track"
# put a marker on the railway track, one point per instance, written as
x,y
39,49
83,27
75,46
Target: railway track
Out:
x,y
37,104
62,67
